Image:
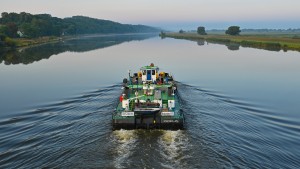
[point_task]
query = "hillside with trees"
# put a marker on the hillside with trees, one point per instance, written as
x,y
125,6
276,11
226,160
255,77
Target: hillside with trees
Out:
x,y
14,25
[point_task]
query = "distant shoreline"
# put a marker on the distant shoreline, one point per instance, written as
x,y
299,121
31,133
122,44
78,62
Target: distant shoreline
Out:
x,y
275,42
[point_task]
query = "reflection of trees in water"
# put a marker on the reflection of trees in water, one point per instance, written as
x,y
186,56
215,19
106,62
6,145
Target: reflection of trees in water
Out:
x,y
233,46
201,42
271,46
37,53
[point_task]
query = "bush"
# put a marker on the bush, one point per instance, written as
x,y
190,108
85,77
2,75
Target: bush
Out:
x,y
2,40
296,37
162,34
9,42
201,30
233,30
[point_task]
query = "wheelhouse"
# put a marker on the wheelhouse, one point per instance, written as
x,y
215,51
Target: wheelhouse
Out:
x,y
149,73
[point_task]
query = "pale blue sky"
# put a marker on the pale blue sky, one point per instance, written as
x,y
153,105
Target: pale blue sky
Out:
x,y
171,14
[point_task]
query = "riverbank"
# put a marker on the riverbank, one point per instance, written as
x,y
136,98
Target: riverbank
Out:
x,y
30,42
10,43
274,42
25,42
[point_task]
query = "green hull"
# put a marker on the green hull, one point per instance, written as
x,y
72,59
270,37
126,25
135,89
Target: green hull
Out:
x,y
148,102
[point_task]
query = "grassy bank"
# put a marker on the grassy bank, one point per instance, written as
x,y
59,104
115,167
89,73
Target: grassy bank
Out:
x,y
24,42
10,43
274,42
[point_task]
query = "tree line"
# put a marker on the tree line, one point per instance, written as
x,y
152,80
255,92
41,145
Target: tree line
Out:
x,y
232,30
235,30
24,24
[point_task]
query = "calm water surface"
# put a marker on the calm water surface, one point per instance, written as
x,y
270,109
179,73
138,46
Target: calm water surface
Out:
x,y
241,105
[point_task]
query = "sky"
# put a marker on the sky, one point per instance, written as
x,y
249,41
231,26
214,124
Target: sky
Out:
x,y
171,14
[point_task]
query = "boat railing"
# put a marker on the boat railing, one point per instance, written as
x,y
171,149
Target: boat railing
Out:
x,y
147,105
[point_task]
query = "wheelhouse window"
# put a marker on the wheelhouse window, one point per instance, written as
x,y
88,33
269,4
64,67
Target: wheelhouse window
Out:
x,y
153,72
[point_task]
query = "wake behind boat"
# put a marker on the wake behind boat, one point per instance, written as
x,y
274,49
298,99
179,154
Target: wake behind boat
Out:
x,y
149,100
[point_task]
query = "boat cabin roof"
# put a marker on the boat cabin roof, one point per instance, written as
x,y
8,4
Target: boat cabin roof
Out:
x,y
149,68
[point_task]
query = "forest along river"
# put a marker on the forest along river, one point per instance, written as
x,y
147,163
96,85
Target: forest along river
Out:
x,y
241,105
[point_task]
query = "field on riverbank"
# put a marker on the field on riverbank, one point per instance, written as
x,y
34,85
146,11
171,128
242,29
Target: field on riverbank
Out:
x,y
262,41
11,43
23,42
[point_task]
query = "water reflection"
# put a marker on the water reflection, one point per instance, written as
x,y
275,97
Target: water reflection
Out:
x,y
230,45
201,42
236,46
260,45
233,46
241,107
37,53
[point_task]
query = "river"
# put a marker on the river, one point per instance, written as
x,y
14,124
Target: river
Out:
x,y
241,105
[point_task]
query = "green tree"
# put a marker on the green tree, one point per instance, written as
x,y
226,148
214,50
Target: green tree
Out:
x,y
3,30
4,16
12,30
233,30
162,34
181,31
29,30
201,30
2,38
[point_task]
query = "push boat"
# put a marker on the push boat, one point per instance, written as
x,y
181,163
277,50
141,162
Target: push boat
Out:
x,y
149,101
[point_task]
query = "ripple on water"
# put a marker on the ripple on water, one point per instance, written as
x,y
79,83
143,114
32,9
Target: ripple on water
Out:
x,y
237,133
53,135
221,132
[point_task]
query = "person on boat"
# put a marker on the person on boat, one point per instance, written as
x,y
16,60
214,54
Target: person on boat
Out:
x,y
162,80
167,79
137,102
122,97
148,102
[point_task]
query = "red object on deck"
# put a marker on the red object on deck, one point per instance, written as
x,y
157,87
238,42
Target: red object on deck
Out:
x,y
121,98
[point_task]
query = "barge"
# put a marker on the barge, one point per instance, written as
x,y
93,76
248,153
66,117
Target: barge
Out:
x,y
149,101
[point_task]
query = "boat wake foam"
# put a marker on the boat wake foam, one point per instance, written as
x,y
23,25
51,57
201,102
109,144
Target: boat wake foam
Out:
x,y
174,146
125,141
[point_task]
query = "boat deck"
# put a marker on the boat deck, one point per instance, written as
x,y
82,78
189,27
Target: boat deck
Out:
x,y
164,96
